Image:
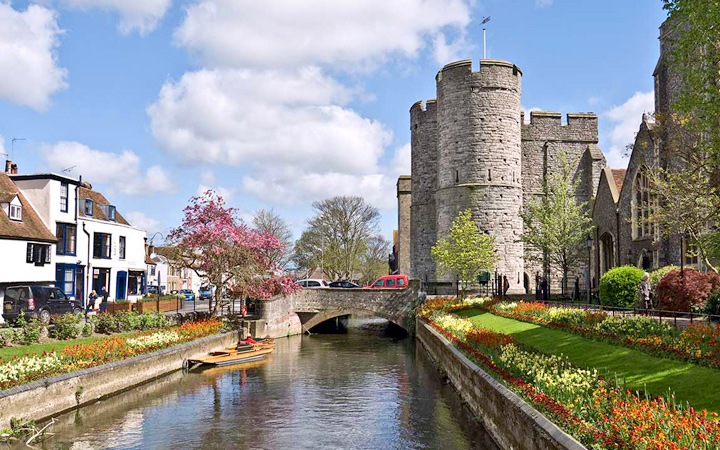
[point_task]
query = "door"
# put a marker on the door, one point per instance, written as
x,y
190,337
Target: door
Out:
x,y
121,285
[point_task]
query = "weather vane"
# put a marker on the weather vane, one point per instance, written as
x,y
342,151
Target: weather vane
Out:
x,y
484,21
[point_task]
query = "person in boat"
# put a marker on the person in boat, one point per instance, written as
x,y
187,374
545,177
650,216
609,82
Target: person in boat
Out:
x,y
248,340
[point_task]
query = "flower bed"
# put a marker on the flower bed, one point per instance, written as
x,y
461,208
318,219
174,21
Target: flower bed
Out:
x,y
596,411
17,371
697,343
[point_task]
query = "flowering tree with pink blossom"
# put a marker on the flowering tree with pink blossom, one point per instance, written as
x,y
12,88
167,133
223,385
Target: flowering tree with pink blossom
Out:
x,y
217,245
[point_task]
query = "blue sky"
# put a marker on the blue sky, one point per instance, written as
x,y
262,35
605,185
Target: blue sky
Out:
x,y
280,103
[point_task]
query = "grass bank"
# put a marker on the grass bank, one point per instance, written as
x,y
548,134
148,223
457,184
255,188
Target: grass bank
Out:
x,y
689,382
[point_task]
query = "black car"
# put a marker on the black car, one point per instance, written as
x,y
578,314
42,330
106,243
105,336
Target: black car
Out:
x,y
344,284
38,301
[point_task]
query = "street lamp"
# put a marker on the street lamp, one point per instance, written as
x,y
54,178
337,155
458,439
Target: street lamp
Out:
x,y
589,243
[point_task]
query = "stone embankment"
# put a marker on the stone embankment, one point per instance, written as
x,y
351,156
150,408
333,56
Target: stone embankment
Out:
x,y
49,397
511,422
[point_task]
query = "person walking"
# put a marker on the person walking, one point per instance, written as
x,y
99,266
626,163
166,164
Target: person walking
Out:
x,y
644,289
91,302
103,304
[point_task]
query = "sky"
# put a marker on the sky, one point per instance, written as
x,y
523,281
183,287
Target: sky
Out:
x,y
277,104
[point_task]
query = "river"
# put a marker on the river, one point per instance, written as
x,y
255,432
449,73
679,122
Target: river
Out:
x,y
360,390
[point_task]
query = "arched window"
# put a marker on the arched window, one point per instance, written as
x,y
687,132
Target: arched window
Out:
x,y
607,253
642,205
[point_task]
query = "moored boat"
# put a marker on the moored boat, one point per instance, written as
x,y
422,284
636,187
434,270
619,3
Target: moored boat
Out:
x,y
236,354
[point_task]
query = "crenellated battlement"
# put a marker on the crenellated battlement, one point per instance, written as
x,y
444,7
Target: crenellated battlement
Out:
x,y
548,126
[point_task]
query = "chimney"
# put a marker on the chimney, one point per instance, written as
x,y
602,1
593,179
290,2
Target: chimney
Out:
x,y
8,165
13,169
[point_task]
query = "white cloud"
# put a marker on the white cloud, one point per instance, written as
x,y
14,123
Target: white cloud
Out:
x,y
140,15
288,33
445,52
227,194
400,164
207,176
28,63
625,121
543,3
268,118
120,172
142,221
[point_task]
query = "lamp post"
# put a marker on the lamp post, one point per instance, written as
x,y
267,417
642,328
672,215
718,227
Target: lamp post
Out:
x,y
589,243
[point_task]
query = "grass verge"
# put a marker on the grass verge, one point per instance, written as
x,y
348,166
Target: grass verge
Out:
x,y
638,370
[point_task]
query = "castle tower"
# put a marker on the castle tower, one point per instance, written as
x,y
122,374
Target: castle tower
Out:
x,y
479,156
423,139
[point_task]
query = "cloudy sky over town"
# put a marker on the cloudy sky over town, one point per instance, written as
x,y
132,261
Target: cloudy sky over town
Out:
x,y
279,103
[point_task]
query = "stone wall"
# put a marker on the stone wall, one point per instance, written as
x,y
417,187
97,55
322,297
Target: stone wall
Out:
x,y
511,422
51,396
404,193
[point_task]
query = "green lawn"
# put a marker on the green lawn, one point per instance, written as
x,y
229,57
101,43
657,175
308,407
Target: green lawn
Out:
x,y
692,383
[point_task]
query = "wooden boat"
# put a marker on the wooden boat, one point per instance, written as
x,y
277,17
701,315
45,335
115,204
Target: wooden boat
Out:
x,y
235,354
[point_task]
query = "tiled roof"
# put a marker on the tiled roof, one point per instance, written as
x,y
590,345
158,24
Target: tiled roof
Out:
x,y
98,199
619,177
30,227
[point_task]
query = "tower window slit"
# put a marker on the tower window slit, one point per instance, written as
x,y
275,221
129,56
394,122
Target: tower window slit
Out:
x,y
489,175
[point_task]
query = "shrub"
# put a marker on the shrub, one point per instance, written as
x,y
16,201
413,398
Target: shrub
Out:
x,y
657,275
66,326
7,336
29,330
619,286
105,323
712,305
686,290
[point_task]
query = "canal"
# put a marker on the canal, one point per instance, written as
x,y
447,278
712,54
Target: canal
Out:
x,y
360,390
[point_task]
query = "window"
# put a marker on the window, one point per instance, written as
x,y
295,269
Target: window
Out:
x,y
15,212
38,254
63,197
66,239
101,245
642,205
152,271
111,212
88,207
121,249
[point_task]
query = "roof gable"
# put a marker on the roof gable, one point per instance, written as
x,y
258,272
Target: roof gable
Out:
x,y
31,227
98,201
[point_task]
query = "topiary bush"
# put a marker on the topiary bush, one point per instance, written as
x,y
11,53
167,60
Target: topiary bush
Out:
x,y
686,290
619,286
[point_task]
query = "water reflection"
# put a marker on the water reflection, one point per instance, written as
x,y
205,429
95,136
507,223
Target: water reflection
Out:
x,y
354,391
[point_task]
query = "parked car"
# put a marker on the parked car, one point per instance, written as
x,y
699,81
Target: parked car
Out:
x,y
205,293
153,289
312,283
38,301
344,284
398,281
188,293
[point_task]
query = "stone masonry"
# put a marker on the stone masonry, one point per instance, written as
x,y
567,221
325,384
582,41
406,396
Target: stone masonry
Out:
x,y
471,149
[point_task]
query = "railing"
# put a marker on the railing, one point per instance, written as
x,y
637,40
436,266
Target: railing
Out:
x,y
678,318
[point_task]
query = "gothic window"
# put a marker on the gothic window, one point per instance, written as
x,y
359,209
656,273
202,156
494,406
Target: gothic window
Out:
x,y
642,205
607,253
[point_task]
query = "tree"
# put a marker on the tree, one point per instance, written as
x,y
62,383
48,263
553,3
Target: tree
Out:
x,y
374,260
338,236
271,222
556,225
466,251
215,244
688,189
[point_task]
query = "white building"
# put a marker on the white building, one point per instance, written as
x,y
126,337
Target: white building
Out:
x,y
27,247
96,246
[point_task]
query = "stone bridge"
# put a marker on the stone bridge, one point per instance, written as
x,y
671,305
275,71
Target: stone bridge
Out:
x,y
301,311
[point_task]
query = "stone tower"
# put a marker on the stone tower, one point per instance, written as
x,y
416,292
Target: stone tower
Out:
x,y
470,149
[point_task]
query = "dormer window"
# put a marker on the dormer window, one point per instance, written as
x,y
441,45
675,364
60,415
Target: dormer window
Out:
x,y
88,207
15,212
111,212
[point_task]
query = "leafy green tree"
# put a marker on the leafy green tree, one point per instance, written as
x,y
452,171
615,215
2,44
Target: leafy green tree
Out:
x,y
466,251
339,236
556,225
688,190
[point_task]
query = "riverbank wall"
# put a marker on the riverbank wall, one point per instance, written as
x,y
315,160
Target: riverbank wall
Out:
x,y
511,422
48,397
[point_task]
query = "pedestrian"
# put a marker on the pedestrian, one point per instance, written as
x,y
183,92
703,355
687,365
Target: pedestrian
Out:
x,y
103,304
506,285
91,302
644,289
